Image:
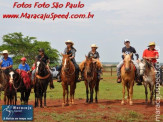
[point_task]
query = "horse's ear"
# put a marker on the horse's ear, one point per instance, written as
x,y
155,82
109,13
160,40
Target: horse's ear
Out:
x,y
86,57
62,54
131,54
124,54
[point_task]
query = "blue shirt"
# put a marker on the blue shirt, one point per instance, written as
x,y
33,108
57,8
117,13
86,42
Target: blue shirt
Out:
x,y
6,63
25,67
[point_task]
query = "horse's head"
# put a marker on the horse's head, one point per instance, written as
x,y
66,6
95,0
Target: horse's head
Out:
x,y
143,65
89,65
127,62
40,67
66,62
13,76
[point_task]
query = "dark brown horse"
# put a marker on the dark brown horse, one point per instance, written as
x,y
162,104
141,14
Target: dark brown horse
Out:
x,y
68,78
91,79
10,97
42,78
3,81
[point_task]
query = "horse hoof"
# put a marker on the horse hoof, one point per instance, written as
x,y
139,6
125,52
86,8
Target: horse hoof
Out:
x,y
63,104
122,103
131,103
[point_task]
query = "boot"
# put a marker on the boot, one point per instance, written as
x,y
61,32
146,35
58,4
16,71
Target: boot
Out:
x,y
59,77
77,77
51,85
82,76
119,79
139,80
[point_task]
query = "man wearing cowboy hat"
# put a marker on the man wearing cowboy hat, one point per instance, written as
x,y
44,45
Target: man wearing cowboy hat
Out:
x,y
6,62
95,55
44,58
70,50
151,53
127,50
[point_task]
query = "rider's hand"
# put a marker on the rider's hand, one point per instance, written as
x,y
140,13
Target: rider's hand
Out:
x,y
4,68
137,61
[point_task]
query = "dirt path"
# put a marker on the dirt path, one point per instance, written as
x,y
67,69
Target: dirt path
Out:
x,y
109,108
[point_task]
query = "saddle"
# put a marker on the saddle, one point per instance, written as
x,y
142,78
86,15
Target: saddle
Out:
x,y
26,78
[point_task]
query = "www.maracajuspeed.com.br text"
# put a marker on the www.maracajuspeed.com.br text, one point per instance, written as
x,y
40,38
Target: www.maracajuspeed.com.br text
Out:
x,y
52,16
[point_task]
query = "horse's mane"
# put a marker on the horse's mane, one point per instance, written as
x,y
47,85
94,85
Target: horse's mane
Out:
x,y
149,65
42,71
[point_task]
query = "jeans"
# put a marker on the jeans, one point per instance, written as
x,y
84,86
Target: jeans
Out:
x,y
120,65
34,71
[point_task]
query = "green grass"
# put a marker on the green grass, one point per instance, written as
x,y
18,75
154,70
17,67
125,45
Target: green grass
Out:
x,y
108,89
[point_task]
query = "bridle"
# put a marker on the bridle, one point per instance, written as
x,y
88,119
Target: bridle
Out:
x,y
67,73
42,77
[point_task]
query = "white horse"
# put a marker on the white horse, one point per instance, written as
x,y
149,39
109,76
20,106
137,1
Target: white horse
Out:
x,y
147,71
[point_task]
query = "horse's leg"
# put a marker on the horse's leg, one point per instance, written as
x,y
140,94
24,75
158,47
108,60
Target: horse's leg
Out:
x,y
87,91
15,98
128,95
146,93
67,92
45,98
96,90
22,97
123,92
131,92
63,95
4,99
151,98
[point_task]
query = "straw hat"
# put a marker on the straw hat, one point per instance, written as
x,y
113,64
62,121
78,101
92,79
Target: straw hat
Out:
x,y
69,41
5,51
151,44
94,45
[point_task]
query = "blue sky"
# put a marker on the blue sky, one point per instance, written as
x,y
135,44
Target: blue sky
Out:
x,y
140,21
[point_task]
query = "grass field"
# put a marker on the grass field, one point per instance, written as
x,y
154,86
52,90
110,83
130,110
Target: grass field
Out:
x,y
109,90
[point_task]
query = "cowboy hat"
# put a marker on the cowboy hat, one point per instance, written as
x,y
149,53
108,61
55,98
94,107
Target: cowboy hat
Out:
x,y
5,51
126,40
94,45
69,41
151,44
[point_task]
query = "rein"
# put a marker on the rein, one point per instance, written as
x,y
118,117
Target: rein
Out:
x,y
67,73
42,78
16,81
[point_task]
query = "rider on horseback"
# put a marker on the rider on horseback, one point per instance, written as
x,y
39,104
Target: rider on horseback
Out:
x,y
6,62
44,58
151,54
95,55
70,50
127,50
24,66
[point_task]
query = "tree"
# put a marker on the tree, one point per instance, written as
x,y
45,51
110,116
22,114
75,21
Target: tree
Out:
x,y
20,46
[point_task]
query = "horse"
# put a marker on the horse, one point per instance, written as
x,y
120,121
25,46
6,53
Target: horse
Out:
x,y
10,97
147,71
91,79
3,81
68,78
128,77
42,78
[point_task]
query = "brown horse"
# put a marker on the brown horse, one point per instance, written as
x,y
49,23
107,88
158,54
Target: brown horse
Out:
x,y
91,79
68,78
128,77
3,81
147,71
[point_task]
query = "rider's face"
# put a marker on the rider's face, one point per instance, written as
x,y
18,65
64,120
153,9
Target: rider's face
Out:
x,y
69,45
5,55
152,47
127,44
94,48
41,53
23,62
